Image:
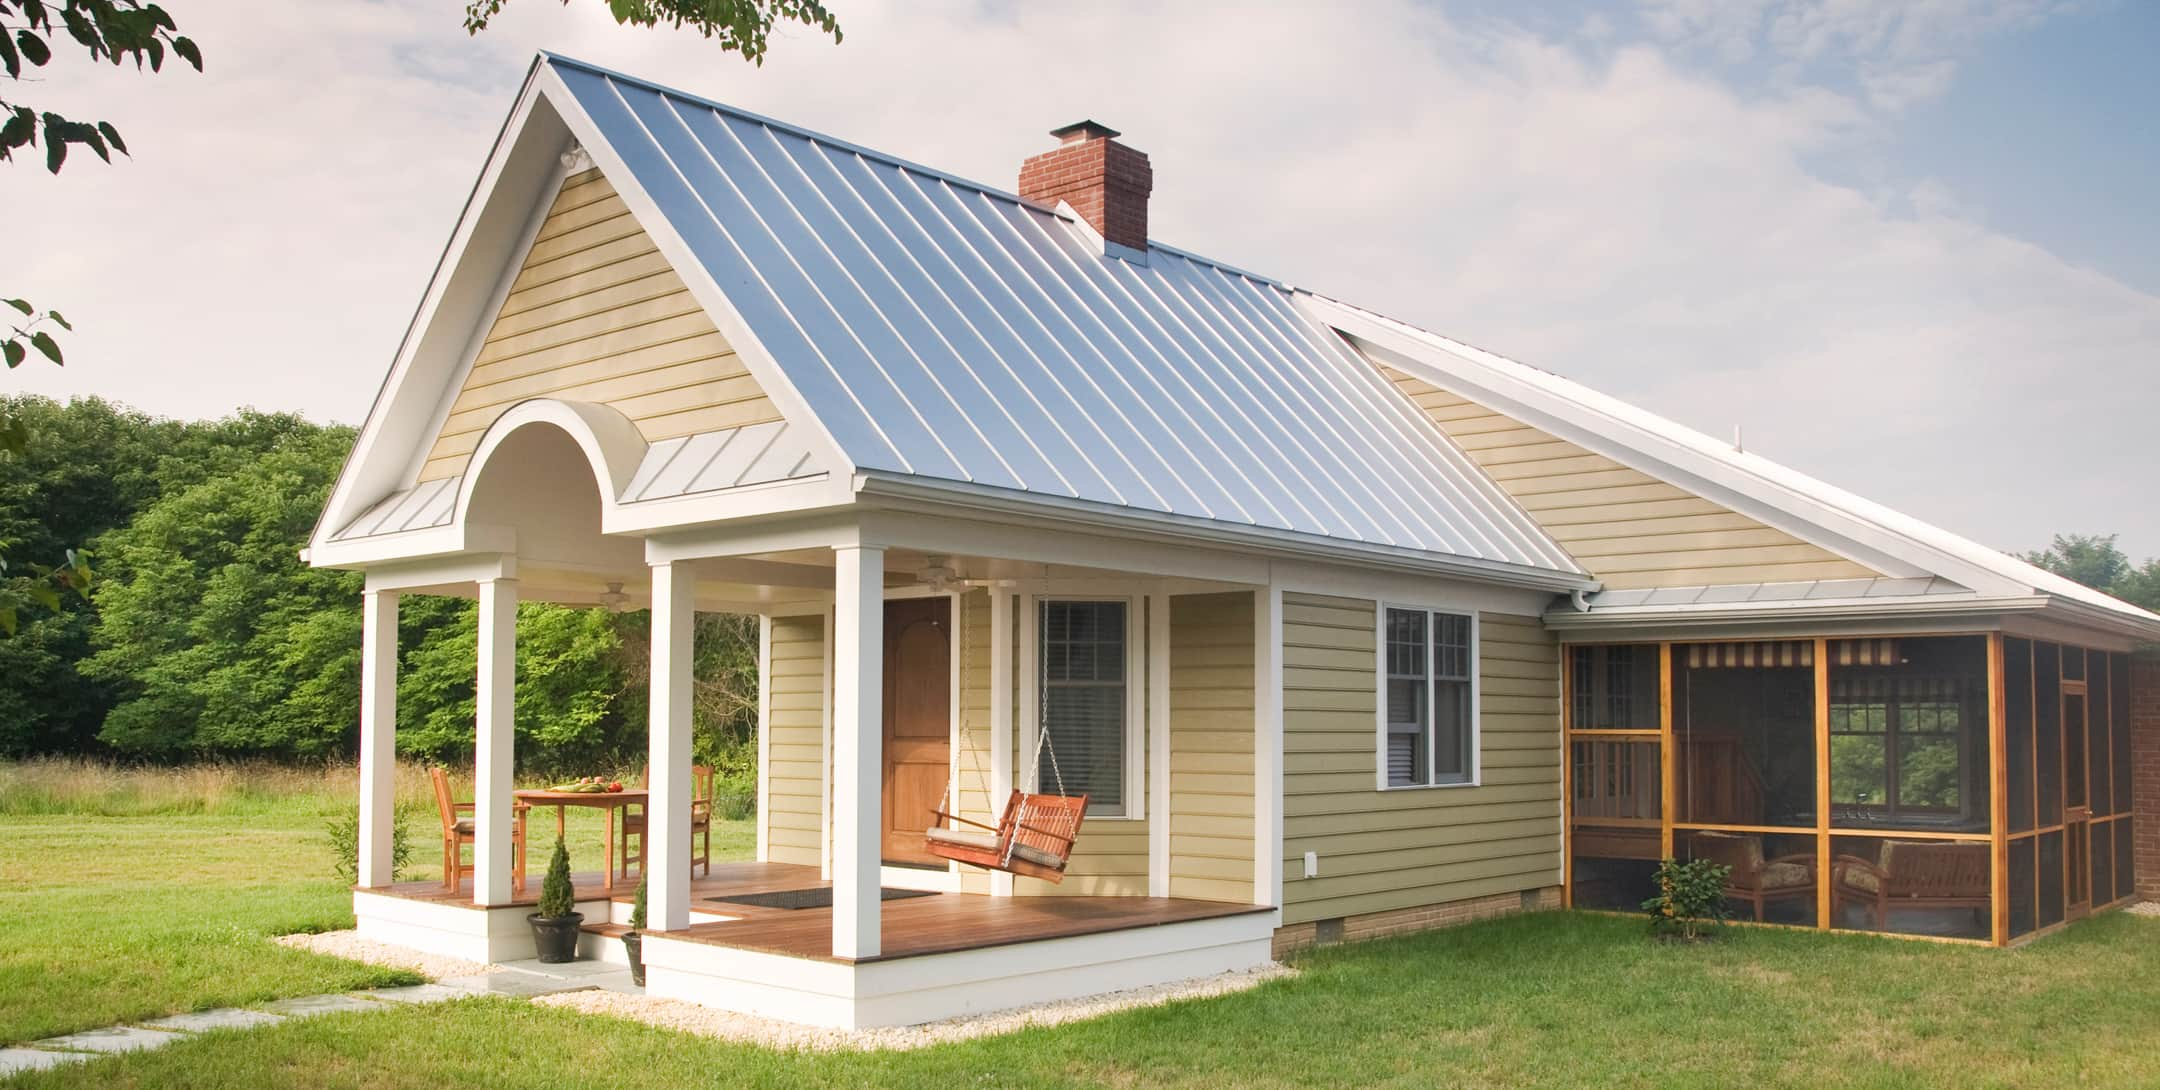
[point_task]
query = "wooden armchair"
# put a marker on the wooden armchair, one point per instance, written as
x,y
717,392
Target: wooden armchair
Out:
x,y
701,808
458,830
1915,874
1754,879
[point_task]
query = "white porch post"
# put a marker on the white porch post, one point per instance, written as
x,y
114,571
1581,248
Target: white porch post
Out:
x,y
1158,740
1267,748
667,813
378,734
858,745
1001,720
495,724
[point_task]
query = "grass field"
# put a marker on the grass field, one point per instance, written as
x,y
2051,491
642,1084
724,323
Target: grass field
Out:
x,y
128,895
1551,1000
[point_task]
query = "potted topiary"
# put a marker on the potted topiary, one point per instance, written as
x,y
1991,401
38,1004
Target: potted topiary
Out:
x,y
555,926
633,940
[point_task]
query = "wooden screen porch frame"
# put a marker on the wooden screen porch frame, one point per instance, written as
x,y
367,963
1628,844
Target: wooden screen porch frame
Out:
x,y
1823,832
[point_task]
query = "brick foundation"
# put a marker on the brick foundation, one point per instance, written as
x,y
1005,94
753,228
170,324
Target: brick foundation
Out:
x,y
2145,770
1402,921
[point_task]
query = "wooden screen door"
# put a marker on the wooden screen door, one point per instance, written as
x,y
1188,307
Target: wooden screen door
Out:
x,y
918,723
2077,806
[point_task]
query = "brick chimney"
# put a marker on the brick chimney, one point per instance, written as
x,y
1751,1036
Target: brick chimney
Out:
x,y
1105,181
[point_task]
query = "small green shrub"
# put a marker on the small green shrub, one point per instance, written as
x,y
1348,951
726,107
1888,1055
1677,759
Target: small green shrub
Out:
x,y
557,899
343,833
1690,897
637,907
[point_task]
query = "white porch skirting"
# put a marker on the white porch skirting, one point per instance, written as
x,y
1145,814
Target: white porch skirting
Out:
x,y
486,935
930,987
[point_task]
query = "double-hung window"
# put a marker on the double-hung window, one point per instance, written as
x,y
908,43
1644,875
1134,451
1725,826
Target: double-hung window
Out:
x,y
1085,703
1428,663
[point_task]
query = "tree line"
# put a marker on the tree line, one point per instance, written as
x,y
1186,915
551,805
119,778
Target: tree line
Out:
x,y
203,635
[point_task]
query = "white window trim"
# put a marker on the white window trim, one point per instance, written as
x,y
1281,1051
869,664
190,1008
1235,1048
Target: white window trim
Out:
x,y
1477,697
1133,806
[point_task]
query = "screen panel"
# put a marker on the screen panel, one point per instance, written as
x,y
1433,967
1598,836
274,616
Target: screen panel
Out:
x,y
2023,894
2119,731
2051,879
2018,731
2047,733
2099,783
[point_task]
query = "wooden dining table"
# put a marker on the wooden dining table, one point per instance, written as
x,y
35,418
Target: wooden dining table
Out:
x,y
607,801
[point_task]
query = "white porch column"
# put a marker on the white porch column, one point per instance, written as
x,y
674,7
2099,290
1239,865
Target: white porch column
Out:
x,y
858,746
667,813
1001,720
378,734
1268,748
1158,741
495,724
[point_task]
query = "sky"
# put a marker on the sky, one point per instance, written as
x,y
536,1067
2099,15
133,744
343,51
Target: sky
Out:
x,y
1907,248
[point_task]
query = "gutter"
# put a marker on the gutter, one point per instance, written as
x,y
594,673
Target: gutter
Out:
x,y
1035,509
1766,613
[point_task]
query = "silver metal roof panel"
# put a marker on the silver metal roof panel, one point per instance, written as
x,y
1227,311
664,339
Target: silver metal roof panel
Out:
x,y
942,329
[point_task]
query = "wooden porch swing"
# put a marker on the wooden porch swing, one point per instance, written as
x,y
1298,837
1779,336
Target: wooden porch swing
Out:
x,y
1035,837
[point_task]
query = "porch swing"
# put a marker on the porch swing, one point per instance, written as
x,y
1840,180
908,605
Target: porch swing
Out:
x,y
1034,839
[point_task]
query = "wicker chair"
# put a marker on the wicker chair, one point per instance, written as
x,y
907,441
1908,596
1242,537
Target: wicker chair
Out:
x,y
1754,879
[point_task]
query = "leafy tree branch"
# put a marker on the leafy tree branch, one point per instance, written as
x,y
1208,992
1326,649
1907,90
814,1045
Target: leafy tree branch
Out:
x,y
738,26
111,30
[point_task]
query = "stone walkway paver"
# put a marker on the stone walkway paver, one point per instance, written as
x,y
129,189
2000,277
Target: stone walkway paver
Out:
x,y
519,980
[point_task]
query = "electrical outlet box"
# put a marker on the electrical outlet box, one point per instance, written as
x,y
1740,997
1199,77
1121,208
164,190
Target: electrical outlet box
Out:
x,y
1312,864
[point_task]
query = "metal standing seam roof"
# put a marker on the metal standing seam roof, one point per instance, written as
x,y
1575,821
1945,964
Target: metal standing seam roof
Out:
x,y
708,461
942,329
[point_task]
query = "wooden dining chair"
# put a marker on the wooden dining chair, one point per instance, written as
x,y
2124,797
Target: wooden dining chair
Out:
x,y
458,830
701,807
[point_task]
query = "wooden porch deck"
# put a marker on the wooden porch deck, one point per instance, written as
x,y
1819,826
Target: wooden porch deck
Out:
x,y
912,926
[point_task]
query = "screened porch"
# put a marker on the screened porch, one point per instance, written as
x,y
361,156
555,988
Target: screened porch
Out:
x,y
1967,787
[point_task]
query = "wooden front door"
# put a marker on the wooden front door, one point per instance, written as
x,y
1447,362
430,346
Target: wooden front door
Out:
x,y
918,722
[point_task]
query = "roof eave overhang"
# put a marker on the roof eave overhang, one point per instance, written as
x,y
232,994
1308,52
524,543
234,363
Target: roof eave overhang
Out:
x,y
1771,619
1156,524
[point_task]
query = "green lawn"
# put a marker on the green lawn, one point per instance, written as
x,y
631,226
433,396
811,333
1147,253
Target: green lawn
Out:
x,y
116,918
1548,1000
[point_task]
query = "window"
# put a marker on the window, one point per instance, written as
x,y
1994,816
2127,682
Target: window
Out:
x,y
1084,703
1428,665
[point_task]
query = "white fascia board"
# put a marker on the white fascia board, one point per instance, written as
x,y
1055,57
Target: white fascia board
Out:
x,y
432,543
523,159
1563,618
935,496
755,357
1751,485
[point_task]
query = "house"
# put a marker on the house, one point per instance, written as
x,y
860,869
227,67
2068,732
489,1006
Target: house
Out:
x,y
1341,626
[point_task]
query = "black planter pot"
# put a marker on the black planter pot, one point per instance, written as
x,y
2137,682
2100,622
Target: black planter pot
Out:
x,y
634,943
556,938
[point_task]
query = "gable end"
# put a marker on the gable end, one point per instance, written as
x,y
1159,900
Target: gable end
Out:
x,y
1626,527
597,314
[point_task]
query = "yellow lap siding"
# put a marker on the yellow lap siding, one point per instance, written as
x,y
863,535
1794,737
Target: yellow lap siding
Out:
x,y
1626,527
1382,850
596,314
795,741
1211,746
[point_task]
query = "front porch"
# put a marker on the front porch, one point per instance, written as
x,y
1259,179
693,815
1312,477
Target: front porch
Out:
x,y
943,954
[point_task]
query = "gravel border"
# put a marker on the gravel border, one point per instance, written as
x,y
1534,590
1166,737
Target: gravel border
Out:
x,y
690,1018
349,944
2144,908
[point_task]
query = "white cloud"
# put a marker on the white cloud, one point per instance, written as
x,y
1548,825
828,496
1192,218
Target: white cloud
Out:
x,y
1899,54
1621,220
